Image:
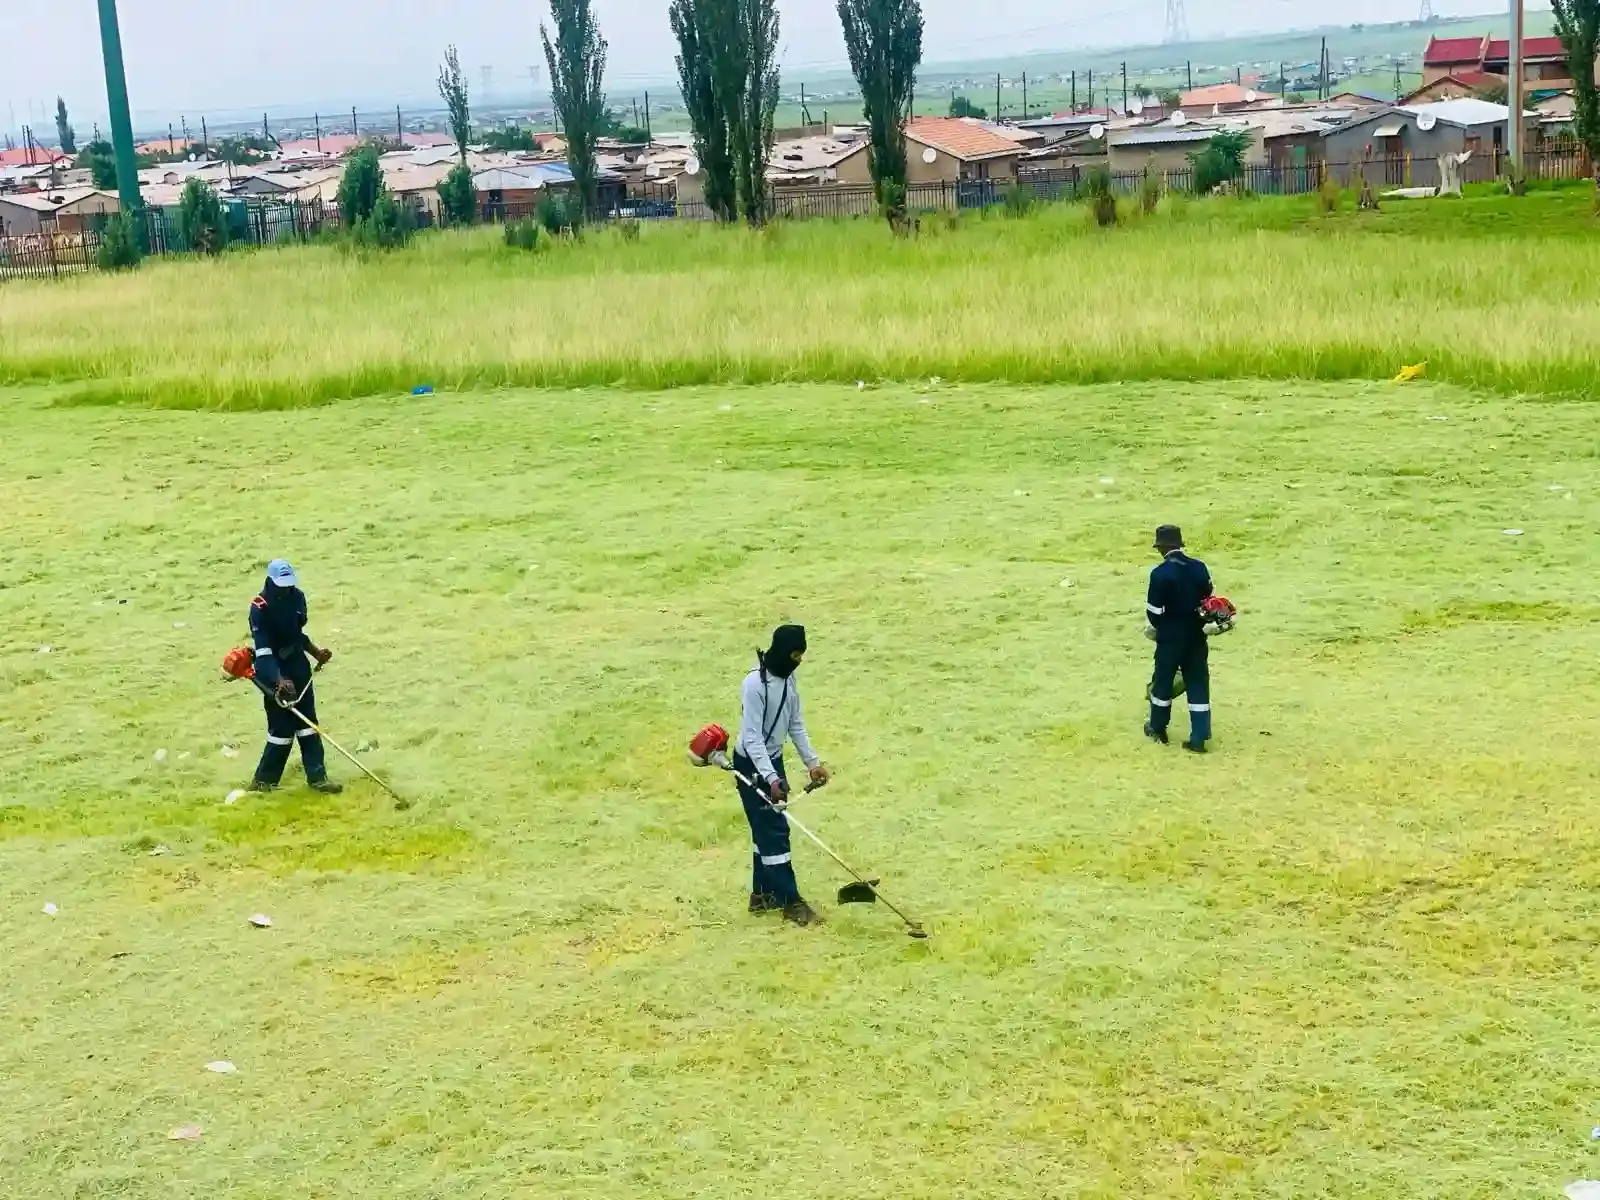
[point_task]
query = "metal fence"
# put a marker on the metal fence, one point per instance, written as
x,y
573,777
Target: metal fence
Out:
x,y
52,254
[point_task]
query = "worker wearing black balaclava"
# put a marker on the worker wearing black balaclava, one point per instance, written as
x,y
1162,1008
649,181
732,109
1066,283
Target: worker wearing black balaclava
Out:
x,y
769,716
283,654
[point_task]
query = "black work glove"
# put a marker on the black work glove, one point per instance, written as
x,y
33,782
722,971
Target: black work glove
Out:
x,y
322,656
285,688
777,793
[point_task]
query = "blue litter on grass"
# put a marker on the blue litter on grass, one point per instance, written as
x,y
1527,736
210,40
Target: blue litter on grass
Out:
x,y
422,389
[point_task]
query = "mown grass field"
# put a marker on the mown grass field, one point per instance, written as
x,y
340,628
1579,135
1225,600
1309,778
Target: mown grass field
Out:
x,y
1494,294
1352,953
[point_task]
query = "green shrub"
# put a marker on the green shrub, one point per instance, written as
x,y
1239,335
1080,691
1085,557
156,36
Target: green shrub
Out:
x,y
522,235
360,187
1102,199
555,213
1019,200
458,196
1222,161
119,244
201,221
628,230
1329,194
389,226
1149,191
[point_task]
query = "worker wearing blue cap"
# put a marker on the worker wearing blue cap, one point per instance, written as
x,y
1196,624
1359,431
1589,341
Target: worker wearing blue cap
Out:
x,y
283,655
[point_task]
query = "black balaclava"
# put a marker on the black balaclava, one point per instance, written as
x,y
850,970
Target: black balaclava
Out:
x,y
779,658
286,606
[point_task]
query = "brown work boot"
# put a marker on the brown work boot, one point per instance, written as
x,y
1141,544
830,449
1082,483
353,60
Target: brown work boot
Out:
x,y
261,785
762,902
801,913
326,786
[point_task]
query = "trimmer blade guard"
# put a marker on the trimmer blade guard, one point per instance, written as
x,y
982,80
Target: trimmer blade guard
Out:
x,y
859,893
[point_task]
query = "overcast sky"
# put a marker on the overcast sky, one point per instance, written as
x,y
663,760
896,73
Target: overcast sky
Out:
x,y
229,56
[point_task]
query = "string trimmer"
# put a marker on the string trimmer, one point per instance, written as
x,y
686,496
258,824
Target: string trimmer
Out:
x,y
710,749
240,663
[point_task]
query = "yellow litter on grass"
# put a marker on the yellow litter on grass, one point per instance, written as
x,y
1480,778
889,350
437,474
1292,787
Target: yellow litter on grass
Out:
x,y
1411,372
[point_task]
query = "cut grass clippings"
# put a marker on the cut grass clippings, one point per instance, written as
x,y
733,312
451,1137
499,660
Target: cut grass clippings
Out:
x,y
1493,293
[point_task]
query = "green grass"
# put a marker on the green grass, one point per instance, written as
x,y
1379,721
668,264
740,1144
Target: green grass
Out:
x,y
1353,953
1493,293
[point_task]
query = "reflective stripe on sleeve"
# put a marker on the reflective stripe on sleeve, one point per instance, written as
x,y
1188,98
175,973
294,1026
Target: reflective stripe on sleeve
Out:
x,y
264,653
1156,609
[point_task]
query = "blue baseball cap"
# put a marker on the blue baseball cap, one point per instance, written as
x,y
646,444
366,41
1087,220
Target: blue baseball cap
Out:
x,y
282,574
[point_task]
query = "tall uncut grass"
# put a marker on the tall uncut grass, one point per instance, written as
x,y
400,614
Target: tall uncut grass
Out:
x,y
1493,293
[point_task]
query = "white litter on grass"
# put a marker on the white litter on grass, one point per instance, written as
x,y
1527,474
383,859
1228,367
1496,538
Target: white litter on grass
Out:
x,y
161,756
221,1067
1438,418
1594,1134
1556,487
261,921
935,381
1019,492
724,408
50,909
1582,1189
234,796
230,752
185,1133
160,851
861,385
1066,583
46,649
1512,532
1106,479
180,624
1099,495
182,754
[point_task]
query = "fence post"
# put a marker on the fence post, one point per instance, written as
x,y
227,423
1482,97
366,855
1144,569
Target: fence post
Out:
x,y
50,245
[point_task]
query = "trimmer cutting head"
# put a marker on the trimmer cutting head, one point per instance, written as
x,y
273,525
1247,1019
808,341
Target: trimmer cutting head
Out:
x,y
859,893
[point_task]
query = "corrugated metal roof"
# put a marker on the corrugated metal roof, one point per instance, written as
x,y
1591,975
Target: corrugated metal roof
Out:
x,y
1444,52
1464,111
1167,136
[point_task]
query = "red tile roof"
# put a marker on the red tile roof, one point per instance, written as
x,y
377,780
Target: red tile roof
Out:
x,y
39,156
960,139
1444,52
1534,47
1220,93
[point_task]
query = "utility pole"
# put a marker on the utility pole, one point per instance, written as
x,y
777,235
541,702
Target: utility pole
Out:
x,y
1091,91
355,130
1024,95
316,120
651,136
266,134
172,146
1514,94
1397,83
1074,105
205,139
1188,69
997,95
121,121
1124,89
1322,72
1283,84
399,127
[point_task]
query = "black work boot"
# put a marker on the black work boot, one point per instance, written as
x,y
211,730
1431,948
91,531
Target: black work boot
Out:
x,y
762,902
1195,747
326,786
1154,734
261,785
801,913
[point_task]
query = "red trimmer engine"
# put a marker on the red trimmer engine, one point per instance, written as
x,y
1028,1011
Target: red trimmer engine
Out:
x,y
239,663
1217,614
709,747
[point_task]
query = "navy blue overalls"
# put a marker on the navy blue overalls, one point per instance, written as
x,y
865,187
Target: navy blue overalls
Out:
x,y
277,625
1177,588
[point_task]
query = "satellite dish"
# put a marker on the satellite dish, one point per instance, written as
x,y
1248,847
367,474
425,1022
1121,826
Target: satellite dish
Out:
x,y
1136,106
1097,131
653,171
1427,121
930,155
691,165
1180,118
1251,96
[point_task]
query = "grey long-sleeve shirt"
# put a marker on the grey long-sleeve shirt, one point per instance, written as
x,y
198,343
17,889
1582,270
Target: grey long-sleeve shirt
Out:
x,y
769,715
